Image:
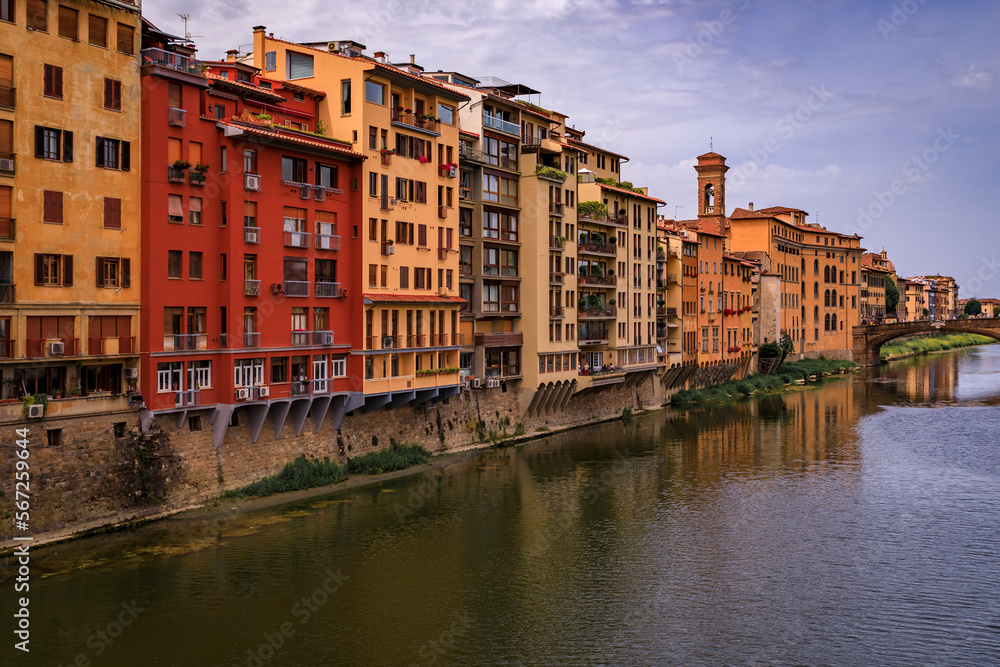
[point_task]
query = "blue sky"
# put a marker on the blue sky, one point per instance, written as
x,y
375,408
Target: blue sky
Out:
x,y
876,117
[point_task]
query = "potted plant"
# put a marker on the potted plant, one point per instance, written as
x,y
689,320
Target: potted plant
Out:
x,y
611,272
389,242
612,302
201,167
181,164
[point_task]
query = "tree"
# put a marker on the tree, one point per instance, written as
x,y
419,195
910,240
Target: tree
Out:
x,y
926,312
891,295
996,311
973,307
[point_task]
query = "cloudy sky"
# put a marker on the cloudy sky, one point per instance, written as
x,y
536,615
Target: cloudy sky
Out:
x,y
879,117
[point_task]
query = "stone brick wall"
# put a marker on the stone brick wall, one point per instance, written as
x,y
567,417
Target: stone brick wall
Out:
x,y
90,479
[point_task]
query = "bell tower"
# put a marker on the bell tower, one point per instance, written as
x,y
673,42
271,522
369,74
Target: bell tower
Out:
x,y
711,170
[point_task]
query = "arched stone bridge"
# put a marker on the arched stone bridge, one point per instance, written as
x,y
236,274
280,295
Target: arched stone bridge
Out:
x,y
868,340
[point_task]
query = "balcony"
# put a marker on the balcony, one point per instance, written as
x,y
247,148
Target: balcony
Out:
x,y
173,61
556,278
589,335
8,162
506,339
111,345
416,121
601,313
557,312
251,235
661,311
301,388
470,154
176,117
443,212
251,288
8,97
599,281
176,174
327,290
464,269
604,249
187,398
197,178
6,293
439,340
327,242
501,307
557,243
415,340
661,333
251,339
296,288
182,342
388,248
8,229
502,125
38,348
323,337
7,348
672,312
386,156
297,239
555,208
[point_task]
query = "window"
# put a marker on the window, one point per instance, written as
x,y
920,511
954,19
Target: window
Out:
x,y
249,161
372,184
125,42
465,222
52,206
112,94
338,367
300,65
113,272
53,437
38,15
293,169
53,269
374,93
345,97
326,175
194,210
446,114
174,260
7,11
53,81
194,265
112,213
113,154
175,209
248,372
97,33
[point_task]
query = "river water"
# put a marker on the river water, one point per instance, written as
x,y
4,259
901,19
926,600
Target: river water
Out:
x,y
857,523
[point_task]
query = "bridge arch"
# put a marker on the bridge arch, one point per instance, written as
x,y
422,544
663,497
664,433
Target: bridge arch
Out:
x,y
868,340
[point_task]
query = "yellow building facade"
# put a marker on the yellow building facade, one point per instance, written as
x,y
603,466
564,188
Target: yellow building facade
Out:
x,y
69,202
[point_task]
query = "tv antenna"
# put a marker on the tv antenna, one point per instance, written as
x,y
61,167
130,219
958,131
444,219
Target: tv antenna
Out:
x,y
187,35
676,206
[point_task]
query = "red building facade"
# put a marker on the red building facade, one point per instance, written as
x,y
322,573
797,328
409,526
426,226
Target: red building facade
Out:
x,y
249,287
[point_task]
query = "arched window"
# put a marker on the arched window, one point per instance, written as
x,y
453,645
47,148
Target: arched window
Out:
x,y
826,274
816,315
833,299
826,322
833,322
816,290
826,298
815,267
709,198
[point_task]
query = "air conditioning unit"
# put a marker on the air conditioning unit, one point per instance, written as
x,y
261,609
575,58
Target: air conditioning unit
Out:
x,y
176,117
278,288
319,194
305,192
251,182
343,293
493,383
242,394
326,339
252,237
390,250
6,164
393,202
442,291
453,172
36,411
56,348
387,342
477,383
131,373
263,392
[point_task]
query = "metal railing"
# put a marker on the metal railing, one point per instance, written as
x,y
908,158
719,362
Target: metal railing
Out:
x,y
126,345
187,397
40,347
416,120
598,248
323,338
415,340
300,338
327,242
251,287
327,290
501,124
180,342
297,239
251,339
171,60
296,288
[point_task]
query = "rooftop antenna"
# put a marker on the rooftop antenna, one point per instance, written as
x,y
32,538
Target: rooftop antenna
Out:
x,y
676,206
711,146
187,35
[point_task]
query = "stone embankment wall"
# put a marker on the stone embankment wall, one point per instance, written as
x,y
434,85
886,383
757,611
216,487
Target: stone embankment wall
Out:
x,y
104,472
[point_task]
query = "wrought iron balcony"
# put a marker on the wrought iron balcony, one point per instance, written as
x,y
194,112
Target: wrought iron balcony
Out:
x,y
327,289
327,242
174,61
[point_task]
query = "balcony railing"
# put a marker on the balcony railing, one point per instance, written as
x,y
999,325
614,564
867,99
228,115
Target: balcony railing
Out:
x,y
416,340
301,388
555,208
661,333
297,239
110,345
661,311
598,313
251,287
302,338
187,397
6,348
323,338
556,278
557,242
465,269
470,154
416,120
251,235
42,347
507,339
8,97
251,339
176,174
296,288
197,178
443,211
8,229
327,242
672,312
557,312
6,293
171,60
327,290
502,125
598,248
602,281
181,342
8,162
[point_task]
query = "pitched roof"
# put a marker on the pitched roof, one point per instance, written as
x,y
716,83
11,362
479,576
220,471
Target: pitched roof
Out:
x,y
598,148
411,298
286,136
630,192
752,255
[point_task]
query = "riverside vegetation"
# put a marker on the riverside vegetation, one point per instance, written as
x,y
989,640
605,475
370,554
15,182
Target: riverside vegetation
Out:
x,y
786,374
925,344
303,473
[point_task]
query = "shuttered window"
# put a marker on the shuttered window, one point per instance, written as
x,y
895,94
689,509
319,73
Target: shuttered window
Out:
x,y
52,209
97,33
38,15
53,81
113,94
175,208
6,71
5,202
125,42
300,66
6,138
112,213
68,23
174,95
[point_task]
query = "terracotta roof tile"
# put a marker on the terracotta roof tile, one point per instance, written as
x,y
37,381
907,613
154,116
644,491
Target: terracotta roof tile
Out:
x,y
265,132
411,298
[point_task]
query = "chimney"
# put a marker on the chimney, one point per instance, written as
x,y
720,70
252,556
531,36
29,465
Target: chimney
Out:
x,y
232,55
751,206
413,58
259,28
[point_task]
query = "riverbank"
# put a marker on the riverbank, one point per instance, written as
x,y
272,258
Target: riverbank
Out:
x,y
912,347
788,374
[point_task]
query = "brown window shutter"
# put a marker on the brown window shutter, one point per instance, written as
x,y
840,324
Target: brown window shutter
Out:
x,y
58,81
39,268
126,272
100,272
174,95
6,71
6,196
68,270
6,136
126,40
109,99
100,151
67,23
117,213
117,99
